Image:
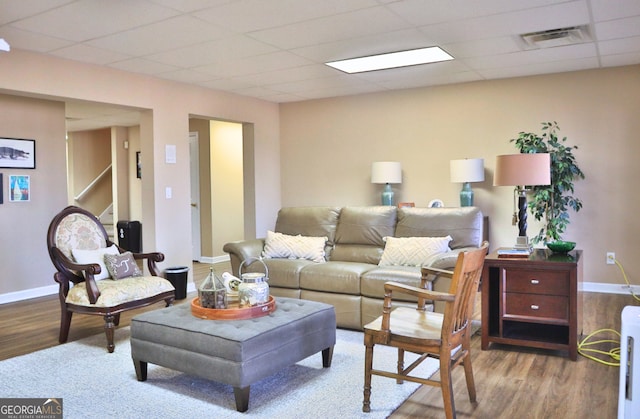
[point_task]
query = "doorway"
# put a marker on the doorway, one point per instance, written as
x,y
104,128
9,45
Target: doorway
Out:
x,y
218,180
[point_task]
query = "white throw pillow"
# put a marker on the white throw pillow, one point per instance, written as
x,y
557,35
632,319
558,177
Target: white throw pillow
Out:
x,y
412,251
278,245
95,256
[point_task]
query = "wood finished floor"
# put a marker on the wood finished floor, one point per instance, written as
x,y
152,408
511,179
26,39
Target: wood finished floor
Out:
x,y
511,382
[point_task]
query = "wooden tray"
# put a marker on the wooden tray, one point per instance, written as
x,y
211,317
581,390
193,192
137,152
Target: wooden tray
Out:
x,y
232,313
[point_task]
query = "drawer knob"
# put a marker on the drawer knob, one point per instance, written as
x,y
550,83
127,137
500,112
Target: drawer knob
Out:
x,y
534,307
535,281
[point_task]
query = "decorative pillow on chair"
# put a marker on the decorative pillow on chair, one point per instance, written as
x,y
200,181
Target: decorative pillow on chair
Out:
x,y
122,265
412,251
278,245
95,256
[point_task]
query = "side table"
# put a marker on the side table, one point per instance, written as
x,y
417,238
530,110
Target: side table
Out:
x,y
534,302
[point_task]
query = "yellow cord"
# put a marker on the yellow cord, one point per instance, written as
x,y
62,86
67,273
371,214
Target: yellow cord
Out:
x,y
614,353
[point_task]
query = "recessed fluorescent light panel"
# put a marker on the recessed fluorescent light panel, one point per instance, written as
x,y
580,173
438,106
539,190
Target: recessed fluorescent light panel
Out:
x,y
391,60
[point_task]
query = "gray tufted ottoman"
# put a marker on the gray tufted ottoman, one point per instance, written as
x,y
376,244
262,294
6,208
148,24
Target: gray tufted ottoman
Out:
x,y
234,352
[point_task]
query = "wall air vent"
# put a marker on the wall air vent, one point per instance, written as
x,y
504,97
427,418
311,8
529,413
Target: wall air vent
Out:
x,y
556,37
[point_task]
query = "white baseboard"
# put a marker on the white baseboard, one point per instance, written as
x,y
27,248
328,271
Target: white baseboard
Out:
x,y
12,297
610,288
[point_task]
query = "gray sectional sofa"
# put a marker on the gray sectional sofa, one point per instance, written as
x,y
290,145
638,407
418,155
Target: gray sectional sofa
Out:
x,y
351,279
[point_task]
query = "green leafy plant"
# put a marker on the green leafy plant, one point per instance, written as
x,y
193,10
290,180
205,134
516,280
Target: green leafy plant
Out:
x,y
552,202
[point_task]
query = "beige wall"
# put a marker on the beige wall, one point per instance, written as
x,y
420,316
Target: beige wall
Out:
x,y
23,251
165,111
327,147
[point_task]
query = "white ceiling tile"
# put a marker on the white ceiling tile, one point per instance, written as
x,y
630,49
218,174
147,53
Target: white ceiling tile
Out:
x,y
482,47
88,19
190,5
365,45
185,76
620,28
141,65
22,39
89,54
539,68
255,64
532,57
11,10
161,36
212,51
252,15
608,10
620,59
510,24
418,13
288,75
620,46
332,28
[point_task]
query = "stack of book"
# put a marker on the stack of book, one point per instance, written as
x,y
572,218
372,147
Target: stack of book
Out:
x,y
514,253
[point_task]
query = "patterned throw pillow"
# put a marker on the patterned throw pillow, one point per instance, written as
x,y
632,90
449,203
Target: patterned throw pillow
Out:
x,y
122,265
85,257
278,245
412,251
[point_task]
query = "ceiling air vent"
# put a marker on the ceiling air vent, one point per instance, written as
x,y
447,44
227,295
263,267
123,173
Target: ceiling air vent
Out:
x,y
556,37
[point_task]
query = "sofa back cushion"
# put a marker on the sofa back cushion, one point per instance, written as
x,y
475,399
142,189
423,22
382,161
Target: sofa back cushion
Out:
x,y
463,224
309,221
360,233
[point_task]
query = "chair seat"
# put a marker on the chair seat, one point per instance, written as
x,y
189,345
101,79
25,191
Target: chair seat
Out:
x,y
411,323
113,293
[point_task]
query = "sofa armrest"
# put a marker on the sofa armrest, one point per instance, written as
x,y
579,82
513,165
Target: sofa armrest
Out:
x,y
241,250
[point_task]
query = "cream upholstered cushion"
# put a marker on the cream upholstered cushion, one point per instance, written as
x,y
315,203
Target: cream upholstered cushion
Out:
x,y
95,256
412,251
113,293
278,245
122,265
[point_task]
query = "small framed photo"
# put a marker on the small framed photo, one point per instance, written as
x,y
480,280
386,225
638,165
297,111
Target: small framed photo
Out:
x,y
17,153
19,188
1,190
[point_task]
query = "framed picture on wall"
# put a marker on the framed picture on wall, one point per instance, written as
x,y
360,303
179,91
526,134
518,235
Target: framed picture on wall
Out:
x,y
138,165
16,153
1,190
19,188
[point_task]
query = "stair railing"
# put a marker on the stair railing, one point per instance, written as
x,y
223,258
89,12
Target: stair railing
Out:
x,y
92,185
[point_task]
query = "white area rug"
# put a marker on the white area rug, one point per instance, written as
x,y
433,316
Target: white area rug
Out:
x,y
96,384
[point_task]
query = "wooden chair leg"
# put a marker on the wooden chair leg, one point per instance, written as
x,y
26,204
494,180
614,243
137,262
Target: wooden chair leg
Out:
x,y
109,328
447,387
400,365
368,365
65,324
468,373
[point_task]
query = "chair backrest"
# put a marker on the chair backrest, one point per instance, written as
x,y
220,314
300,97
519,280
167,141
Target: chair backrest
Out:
x,y
464,285
74,228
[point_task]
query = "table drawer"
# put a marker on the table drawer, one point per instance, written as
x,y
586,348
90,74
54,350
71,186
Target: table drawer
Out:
x,y
537,282
538,306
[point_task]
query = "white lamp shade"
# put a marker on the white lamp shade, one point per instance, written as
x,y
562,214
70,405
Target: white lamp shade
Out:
x,y
526,169
467,170
386,172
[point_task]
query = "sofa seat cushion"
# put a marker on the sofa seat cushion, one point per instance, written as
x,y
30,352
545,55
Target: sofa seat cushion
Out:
x,y
372,284
335,277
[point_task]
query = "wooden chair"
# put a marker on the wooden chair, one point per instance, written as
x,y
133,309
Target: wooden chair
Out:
x,y
75,230
431,335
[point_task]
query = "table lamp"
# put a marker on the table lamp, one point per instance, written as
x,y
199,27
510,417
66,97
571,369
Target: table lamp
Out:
x,y
386,172
466,171
522,170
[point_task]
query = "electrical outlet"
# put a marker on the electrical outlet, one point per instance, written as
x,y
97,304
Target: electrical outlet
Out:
x,y
611,258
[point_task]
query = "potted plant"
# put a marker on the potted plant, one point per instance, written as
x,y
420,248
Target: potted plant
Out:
x,y
553,201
